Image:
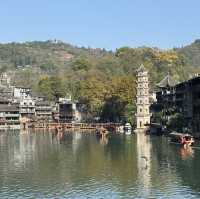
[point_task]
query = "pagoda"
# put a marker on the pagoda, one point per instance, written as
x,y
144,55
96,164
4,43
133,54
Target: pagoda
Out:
x,y
143,114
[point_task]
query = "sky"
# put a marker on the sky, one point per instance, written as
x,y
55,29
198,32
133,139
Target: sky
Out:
x,y
106,24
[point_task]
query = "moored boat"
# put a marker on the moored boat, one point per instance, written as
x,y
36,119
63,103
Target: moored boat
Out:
x,y
181,138
127,128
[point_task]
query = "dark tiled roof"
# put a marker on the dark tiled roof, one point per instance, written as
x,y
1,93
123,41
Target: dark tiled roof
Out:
x,y
42,103
168,81
23,87
4,99
5,107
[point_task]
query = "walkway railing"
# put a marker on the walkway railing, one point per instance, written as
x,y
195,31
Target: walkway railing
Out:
x,y
90,126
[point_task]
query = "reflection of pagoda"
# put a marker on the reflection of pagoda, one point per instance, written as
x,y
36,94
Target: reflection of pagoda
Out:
x,y
144,163
143,115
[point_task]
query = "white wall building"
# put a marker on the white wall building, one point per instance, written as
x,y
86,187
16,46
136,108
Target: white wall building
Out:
x,y
27,107
21,92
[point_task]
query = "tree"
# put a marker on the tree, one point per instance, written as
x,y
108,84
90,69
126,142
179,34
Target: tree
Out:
x,y
176,122
119,105
81,63
57,88
51,87
93,91
113,110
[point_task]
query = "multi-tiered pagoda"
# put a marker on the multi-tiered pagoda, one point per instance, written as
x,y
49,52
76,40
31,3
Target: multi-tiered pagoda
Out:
x,y
143,114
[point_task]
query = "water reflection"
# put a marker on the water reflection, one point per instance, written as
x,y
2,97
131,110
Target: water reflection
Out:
x,y
80,165
186,152
144,161
103,139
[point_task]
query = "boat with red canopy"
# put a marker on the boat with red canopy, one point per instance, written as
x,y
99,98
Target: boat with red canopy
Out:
x,y
181,138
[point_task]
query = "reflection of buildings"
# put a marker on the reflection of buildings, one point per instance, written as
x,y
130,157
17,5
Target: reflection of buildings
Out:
x,y
144,162
76,140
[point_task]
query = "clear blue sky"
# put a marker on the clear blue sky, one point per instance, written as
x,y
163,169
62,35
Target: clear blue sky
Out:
x,y
102,23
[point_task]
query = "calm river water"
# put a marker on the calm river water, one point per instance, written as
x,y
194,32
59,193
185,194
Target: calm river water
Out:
x,y
45,165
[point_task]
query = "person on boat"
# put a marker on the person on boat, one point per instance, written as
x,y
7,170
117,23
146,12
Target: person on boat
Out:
x,y
186,141
183,140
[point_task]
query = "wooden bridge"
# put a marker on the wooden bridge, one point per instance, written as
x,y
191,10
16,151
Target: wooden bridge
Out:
x,y
76,126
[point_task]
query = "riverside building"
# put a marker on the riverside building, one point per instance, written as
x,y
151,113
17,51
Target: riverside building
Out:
x,y
9,117
183,99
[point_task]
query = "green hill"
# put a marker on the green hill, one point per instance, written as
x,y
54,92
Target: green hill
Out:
x,y
191,53
96,77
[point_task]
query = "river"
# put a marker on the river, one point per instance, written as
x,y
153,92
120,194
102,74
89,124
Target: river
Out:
x,y
80,165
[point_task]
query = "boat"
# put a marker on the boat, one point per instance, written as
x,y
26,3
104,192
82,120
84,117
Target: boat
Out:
x,y
120,129
181,138
127,129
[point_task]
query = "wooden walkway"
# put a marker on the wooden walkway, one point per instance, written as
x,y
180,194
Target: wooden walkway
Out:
x,y
77,126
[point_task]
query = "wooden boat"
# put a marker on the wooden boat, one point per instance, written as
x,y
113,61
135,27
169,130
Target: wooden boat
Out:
x,y
181,138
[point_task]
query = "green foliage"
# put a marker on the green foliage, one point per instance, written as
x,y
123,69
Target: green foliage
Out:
x,y
121,51
51,87
113,110
104,80
93,92
25,78
176,122
191,53
129,116
119,104
48,66
81,64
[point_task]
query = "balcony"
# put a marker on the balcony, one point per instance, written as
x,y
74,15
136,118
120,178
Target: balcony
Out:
x,y
27,111
43,108
12,115
43,113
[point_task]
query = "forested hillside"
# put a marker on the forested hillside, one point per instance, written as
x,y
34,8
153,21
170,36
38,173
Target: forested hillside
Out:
x,y
104,81
191,53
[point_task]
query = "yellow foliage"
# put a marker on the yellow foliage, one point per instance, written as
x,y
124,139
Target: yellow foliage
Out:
x,y
166,56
